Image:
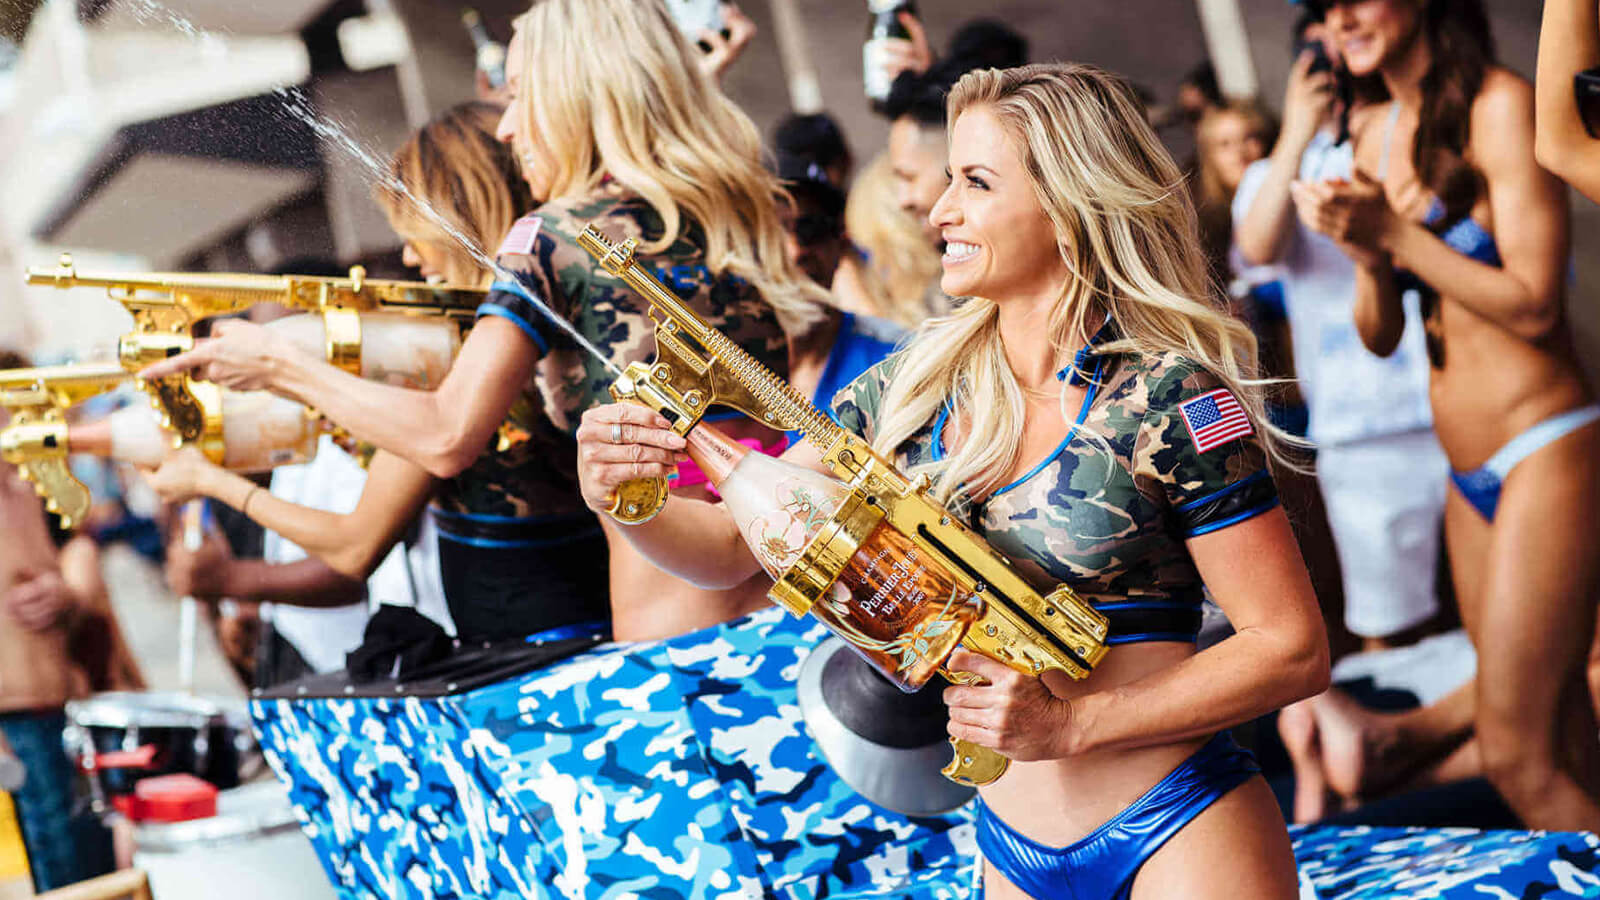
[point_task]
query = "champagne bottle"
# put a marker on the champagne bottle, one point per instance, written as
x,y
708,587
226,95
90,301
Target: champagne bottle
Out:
x,y
260,431
408,351
900,610
883,25
491,59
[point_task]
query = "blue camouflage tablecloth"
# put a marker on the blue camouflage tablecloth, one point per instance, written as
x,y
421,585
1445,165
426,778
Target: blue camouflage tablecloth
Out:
x,y
682,769
667,770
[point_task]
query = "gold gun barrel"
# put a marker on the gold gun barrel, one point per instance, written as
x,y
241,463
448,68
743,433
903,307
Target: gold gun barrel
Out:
x,y
203,294
166,305
60,387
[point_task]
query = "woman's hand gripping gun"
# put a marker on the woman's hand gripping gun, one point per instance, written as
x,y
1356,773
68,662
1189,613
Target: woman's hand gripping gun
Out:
x,y
697,366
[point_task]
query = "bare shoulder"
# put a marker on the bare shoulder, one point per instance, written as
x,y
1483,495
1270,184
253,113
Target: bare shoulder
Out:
x,y
1504,101
1502,120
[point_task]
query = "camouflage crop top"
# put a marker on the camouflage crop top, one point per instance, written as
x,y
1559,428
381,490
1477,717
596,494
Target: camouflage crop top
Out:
x,y
1159,454
531,467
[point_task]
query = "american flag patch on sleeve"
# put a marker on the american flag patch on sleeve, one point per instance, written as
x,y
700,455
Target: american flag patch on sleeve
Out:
x,y
521,236
1215,418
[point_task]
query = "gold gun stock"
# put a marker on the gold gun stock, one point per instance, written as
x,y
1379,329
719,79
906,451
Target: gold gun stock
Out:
x,y
165,306
35,440
1018,627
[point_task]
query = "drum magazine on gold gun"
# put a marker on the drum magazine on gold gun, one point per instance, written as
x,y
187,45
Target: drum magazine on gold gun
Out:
x,y
697,366
166,306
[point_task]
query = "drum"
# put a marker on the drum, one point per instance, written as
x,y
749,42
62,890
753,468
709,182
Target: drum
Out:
x,y
118,738
253,846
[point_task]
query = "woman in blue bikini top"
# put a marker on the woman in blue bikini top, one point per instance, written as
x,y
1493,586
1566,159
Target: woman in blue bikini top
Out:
x,y
1458,208
1135,469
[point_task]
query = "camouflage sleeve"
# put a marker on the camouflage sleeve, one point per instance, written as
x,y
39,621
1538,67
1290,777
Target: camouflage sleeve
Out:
x,y
529,275
1196,443
605,312
855,407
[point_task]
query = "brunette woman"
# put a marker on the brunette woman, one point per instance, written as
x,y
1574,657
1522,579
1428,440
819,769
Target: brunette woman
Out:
x,y
1450,201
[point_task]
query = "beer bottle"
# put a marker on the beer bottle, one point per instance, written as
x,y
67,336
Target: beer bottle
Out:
x,y
899,609
407,351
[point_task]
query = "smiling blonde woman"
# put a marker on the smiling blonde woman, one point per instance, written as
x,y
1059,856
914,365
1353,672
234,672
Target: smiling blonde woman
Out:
x,y
1091,413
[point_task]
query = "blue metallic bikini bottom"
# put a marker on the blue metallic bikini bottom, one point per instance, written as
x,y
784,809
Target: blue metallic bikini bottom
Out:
x,y
1481,486
1102,865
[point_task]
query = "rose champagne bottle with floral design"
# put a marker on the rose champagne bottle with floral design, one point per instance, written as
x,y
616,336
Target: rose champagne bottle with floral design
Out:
x,y
904,613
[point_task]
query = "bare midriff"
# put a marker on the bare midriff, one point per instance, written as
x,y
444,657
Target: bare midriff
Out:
x,y
647,604
1493,385
1059,801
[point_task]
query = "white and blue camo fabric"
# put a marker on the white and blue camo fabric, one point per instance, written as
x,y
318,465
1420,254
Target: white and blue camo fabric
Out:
x,y
682,769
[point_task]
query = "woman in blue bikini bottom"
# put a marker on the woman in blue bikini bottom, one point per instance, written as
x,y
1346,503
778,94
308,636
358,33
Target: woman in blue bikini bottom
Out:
x,y
1063,231
1481,486
1484,233
1102,865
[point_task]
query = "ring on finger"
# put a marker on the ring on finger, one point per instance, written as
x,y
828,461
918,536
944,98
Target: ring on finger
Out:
x,y
616,432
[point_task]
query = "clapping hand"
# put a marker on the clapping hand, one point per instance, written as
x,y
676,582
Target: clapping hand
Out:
x,y
1355,213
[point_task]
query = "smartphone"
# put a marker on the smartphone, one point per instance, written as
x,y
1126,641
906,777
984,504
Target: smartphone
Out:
x,y
1320,60
696,16
1586,90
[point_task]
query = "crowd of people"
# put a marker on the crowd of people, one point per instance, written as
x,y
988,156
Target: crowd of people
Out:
x,y
1328,361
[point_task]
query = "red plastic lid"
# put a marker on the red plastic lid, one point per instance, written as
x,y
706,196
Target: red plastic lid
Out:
x,y
170,798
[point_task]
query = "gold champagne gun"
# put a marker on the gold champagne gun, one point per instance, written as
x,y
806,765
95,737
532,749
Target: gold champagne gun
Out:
x,y
35,440
166,305
697,366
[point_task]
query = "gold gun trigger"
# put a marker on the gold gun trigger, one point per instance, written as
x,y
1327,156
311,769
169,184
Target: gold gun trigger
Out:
x,y
637,500
973,765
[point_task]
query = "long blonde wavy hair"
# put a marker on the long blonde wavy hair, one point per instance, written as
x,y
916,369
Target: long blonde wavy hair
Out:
x,y
611,88
1126,230
903,269
459,168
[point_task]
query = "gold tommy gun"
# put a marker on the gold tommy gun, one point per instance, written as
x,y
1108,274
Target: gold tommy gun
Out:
x,y
166,305
35,440
697,366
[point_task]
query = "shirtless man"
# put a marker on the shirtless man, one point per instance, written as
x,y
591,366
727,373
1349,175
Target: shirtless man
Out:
x,y
37,678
